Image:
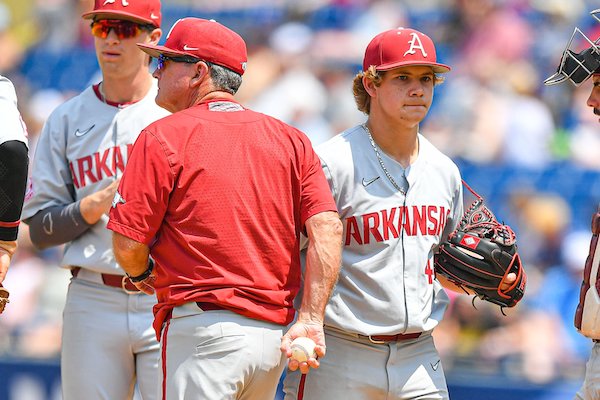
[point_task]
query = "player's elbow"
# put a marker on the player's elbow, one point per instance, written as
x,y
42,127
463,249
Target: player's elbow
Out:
x,y
325,224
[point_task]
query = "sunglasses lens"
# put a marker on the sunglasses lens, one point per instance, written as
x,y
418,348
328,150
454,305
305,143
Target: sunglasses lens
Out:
x,y
123,29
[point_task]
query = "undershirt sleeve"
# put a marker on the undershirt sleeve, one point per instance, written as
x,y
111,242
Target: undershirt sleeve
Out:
x,y
13,180
57,225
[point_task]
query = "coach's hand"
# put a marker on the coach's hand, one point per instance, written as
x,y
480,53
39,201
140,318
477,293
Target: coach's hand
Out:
x,y
147,285
310,330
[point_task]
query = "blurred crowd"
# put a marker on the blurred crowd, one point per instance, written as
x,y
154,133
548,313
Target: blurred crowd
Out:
x,y
492,114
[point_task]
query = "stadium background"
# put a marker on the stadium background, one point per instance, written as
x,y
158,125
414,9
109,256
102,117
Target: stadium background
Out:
x,y
533,152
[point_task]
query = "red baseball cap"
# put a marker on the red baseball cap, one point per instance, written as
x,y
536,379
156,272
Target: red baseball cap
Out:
x,y
145,12
401,47
204,39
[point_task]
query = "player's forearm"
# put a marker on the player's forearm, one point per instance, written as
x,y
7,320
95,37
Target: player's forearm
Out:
x,y
13,180
132,256
56,225
323,261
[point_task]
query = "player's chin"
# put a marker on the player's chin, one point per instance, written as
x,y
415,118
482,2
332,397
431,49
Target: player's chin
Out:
x,y
161,102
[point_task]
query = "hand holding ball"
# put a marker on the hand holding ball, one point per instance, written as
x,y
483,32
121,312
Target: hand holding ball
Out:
x,y
303,348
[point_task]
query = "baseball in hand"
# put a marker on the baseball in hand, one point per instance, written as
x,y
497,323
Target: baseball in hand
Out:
x,y
303,348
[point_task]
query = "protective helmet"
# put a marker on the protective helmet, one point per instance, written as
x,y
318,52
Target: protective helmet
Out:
x,y
578,67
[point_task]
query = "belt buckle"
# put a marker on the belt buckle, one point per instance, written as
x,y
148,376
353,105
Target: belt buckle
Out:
x,y
376,341
124,286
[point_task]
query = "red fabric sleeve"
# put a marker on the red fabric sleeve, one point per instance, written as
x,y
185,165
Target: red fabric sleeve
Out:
x,y
316,195
143,195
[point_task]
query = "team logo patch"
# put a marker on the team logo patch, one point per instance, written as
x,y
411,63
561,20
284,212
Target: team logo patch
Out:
x,y
117,199
470,241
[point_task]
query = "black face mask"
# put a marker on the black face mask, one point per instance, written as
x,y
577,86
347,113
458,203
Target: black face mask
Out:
x,y
578,67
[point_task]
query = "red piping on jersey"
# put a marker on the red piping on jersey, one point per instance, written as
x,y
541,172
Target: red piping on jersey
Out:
x,y
164,359
110,103
9,224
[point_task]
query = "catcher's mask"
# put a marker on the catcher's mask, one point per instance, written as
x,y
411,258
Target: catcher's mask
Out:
x,y
578,67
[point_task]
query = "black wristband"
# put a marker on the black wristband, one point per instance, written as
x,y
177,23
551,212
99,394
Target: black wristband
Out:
x,y
144,274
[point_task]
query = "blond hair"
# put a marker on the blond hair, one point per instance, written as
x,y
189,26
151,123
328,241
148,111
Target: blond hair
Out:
x,y
362,97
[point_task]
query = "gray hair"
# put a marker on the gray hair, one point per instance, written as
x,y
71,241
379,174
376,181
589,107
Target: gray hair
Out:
x,y
224,78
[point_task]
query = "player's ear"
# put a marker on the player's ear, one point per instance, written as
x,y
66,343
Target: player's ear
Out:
x,y
201,70
369,85
155,36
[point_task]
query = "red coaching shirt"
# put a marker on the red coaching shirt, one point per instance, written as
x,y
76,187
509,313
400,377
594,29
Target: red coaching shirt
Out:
x,y
220,194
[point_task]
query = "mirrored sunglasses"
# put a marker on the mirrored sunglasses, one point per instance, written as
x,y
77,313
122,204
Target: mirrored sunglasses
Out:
x,y
123,29
184,59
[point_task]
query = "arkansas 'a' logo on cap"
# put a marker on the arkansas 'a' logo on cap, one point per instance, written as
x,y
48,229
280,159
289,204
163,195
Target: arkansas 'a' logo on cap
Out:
x,y
124,3
415,44
470,241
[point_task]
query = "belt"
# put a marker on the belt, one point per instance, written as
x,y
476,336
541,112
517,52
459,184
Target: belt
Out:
x,y
376,339
209,306
382,339
117,281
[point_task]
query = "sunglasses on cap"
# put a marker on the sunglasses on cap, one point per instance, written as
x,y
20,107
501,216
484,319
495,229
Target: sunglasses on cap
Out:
x,y
123,29
183,59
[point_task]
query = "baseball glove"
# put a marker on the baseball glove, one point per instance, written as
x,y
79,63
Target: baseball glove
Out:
x,y
480,253
3,298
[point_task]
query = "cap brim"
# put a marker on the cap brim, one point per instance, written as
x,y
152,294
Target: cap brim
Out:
x,y
155,51
118,15
437,68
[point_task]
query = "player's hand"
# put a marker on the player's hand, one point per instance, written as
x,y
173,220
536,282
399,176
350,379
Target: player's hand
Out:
x,y
310,330
147,285
7,249
4,263
93,206
508,281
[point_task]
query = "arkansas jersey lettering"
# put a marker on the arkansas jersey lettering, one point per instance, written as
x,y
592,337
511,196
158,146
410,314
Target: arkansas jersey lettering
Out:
x,y
388,224
100,165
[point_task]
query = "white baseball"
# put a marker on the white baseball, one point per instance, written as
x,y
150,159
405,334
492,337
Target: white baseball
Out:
x,y
303,348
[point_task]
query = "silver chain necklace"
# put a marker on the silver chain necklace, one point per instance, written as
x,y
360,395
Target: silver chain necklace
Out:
x,y
385,170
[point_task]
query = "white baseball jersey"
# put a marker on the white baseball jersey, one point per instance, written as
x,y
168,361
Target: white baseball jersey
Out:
x,y
387,283
84,146
13,127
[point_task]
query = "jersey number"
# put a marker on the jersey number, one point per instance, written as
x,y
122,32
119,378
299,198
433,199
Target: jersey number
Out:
x,y
429,272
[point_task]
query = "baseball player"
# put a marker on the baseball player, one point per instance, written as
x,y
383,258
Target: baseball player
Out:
x,y
14,161
578,67
108,343
398,197
219,195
